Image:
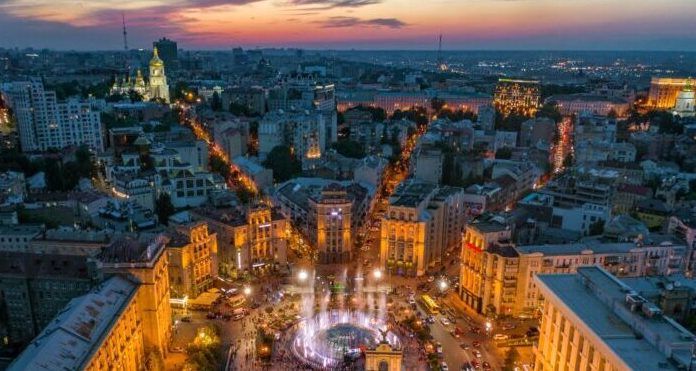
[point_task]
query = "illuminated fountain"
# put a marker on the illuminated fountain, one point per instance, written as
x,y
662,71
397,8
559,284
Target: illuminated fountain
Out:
x,y
337,333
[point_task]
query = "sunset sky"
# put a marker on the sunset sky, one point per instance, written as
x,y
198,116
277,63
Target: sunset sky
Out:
x,y
360,24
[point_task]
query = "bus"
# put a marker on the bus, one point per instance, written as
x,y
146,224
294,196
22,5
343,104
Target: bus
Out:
x,y
430,305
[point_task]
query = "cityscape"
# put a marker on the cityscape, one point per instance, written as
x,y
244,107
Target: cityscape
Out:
x,y
376,185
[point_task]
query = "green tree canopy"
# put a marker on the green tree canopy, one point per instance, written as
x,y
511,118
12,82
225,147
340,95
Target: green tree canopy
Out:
x,y
164,208
283,163
349,148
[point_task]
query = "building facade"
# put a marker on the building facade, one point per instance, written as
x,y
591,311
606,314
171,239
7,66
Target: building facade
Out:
x,y
332,217
98,331
517,96
593,321
45,123
193,261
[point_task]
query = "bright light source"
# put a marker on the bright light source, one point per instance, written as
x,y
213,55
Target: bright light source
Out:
x,y
443,285
303,275
377,273
247,290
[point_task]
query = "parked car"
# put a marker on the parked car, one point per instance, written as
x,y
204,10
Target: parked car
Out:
x,y
443,366
500,337
476,344
445,321
464,346
177,350
186,319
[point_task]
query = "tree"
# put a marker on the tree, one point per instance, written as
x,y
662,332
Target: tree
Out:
x,y
134,96
219,165
511,358
436,104
504,153
349,148
164,208
283,163
216,102
550,110
596,228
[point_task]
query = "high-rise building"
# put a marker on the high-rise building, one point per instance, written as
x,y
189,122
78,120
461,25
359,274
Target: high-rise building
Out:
x,y
304,132
664,90
97,331
193,263
517,96
249,239
167,50
593,321
143,257
421,222
332,214
44,123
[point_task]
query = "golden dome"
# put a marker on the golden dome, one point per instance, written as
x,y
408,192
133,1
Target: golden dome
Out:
x,y
156,61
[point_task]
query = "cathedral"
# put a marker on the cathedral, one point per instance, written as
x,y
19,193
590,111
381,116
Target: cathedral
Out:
x,y
686,99
156,87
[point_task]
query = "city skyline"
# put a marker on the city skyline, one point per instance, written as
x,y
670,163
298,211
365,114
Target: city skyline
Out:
x,y
352,24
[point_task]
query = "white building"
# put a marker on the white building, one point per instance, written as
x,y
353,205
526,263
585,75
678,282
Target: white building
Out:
x,y
45,123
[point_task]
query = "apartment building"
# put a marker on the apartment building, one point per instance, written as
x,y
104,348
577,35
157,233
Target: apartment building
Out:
x,y
593,321
193,261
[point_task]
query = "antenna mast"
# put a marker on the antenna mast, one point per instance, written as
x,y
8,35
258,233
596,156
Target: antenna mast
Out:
x,y
125,34
440,63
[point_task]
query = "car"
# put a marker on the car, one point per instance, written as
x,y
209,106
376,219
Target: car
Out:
x,y
452,318
186,319
177,350
500,337
476,344
438,348
237,317
431,279
467,367
443,366
508,326
475,363
464,346
486,366
445,321
412,301
477,354
454,334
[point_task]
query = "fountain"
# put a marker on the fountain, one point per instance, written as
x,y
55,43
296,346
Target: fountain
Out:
x,y
336,333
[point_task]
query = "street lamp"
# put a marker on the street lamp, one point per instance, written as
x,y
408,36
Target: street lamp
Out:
x,y
302,275
443,285
247,290
377,274
489,327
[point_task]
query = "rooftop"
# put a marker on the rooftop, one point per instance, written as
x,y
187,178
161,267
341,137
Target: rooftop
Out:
x,y
71,339
129,248
597,302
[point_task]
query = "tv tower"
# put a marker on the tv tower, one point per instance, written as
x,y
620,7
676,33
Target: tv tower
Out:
x,y
440,63
125,34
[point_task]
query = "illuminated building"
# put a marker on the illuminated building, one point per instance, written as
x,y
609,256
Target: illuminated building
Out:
x,y
332,218
155,88
193,258
593,321
383,358
483,268
45,123
497,277
517,96
686,99
570,104
253,238
143,258
304,132
664,91
421,222
98,331
327,212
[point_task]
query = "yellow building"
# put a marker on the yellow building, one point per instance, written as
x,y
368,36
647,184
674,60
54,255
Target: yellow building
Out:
x,y
101,330
422,221
592,321
664,90
249,239
521,97
143,258
488,267
383,358
332,217
193,265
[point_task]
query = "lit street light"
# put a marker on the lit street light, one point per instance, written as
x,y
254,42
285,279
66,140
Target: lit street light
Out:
x,y
443,285
377,274
247,290
302,275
